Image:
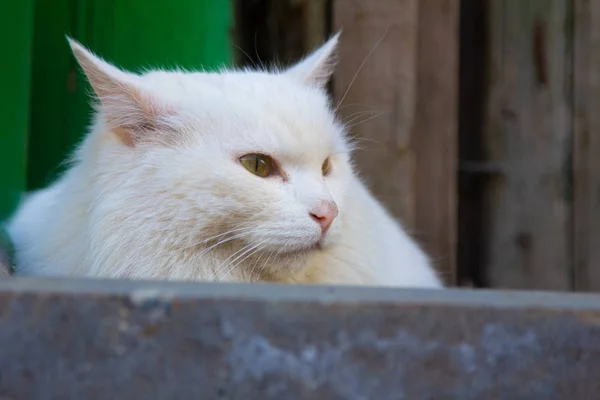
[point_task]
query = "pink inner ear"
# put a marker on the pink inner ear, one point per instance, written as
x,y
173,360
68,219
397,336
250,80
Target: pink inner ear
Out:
x,y
132,114
126,136
129,111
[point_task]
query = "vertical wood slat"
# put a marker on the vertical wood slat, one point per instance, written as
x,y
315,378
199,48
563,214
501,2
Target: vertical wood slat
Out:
x,y
586,149
279,31
408,144
435,136
527,132
377,82
296,27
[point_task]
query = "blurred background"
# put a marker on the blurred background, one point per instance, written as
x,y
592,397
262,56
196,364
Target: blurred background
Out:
x,y
478,121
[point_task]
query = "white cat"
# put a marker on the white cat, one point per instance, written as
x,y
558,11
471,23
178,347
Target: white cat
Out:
x,y
232,176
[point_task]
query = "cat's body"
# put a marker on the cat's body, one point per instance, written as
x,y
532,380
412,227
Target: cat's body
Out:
x,y
158,189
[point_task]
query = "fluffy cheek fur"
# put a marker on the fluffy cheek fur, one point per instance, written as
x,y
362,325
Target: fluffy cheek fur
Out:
x,y
212,203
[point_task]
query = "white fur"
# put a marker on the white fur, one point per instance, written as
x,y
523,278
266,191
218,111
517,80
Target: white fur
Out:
x,y
158,176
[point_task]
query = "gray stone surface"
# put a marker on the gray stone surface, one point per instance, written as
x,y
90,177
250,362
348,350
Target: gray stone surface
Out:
x,y
4,265
100,339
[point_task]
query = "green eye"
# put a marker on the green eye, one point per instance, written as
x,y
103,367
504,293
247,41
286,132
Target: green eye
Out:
x,y
326,167
259,164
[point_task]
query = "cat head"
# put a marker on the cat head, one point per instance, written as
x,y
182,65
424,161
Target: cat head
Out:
x,y
248,165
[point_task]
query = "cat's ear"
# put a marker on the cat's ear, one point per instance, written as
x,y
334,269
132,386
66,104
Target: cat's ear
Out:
x,y
317,67
127,108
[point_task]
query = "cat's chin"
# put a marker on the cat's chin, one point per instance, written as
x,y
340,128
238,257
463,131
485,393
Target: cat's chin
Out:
x,y
308,249
304,250
290,263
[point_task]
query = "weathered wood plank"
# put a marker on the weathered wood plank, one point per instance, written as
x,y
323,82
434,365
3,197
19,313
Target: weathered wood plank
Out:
x,y
295,27
93,339
527,133
586,149
279,31
389,74
317,24
376,82
435,136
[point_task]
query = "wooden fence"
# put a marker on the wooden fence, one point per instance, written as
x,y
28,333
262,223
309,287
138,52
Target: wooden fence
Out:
x,y
477,122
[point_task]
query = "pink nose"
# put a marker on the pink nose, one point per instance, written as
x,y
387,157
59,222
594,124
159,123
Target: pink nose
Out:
x,y
324,213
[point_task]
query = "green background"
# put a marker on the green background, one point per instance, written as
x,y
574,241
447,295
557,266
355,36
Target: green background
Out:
x,y
44,104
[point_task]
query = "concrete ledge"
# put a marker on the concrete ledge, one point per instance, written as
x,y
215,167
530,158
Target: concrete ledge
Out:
x,y
101,339
4,264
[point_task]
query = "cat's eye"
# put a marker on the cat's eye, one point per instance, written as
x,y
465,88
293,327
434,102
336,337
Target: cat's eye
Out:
x,y
259,164
326,167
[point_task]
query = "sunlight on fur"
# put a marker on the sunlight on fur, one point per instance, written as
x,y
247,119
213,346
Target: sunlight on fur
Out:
x,y
229,176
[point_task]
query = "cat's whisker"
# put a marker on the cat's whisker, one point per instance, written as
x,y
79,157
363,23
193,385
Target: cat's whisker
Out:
x,y
365,120
354,116
255,265
342,152
359,148
256,249
244,226
282,249
360,68
204,241
228,239
363,139
224,263
262,64
238,236
247,55
350,116
244,250
353,105
265,265
366,112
